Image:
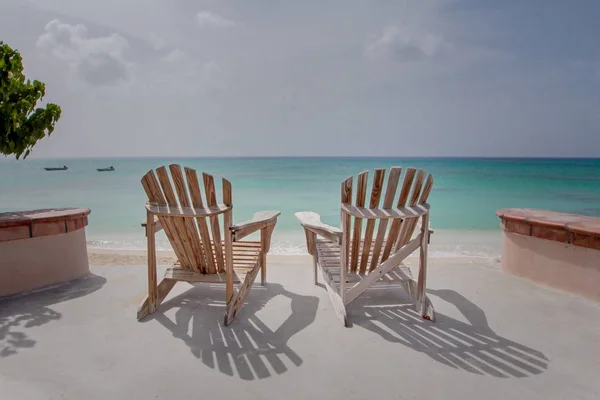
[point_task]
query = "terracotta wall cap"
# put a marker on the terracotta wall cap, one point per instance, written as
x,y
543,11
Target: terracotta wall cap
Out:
x,y
23,218
553,220
10,219
590,228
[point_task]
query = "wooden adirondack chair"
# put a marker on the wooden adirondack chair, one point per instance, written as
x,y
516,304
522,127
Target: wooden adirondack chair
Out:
x,y
194,230
353,259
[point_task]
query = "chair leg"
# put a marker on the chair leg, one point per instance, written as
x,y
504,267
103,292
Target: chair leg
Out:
x,y
263,268
162,290
424,305
240,295
425,308
336,301
316,270
149,304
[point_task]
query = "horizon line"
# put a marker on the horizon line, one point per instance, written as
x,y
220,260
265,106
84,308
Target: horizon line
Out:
x,y
315,157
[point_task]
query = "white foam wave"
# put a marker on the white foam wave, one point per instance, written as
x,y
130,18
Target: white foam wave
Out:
x,y
293,248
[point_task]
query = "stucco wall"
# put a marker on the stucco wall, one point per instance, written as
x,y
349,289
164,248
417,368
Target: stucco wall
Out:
x,y
32,263
563,266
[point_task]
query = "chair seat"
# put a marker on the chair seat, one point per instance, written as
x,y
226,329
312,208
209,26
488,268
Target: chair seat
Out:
x,y
329,260
245,257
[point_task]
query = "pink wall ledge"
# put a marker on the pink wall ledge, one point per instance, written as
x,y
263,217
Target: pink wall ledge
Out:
x,y
555,249
42,247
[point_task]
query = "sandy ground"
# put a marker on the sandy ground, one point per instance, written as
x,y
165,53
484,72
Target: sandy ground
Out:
x,y
495,337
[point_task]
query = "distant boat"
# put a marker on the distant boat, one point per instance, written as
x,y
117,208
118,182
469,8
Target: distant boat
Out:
x,y
111,168
63,168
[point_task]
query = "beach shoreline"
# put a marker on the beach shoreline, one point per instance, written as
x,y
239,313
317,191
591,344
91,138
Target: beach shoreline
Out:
x,y
117,257
106,257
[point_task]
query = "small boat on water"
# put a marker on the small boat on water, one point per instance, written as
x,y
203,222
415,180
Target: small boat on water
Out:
x,y
63,168
111,168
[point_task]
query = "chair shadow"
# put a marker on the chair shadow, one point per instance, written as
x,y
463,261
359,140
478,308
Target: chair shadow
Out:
x,y
20,312
247,348
473,347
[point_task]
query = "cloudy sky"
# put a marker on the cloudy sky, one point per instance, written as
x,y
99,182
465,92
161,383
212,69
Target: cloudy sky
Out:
x,y
308,77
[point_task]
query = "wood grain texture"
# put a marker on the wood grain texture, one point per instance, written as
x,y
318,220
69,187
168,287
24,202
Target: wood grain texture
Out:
x,y
153,191
361,194
346,219
414,199
265,241
238,299
388,201
396,224
211,200
227,193
187,212
196,197
177,225
376,190
152,290
259,221
163,289
197,253
344,263
311,222
385,267
180,209
228,240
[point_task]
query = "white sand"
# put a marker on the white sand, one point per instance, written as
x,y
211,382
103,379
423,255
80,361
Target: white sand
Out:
x,y
496,337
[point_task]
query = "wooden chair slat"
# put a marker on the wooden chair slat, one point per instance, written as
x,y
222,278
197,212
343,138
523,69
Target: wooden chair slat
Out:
x,y
155,194
165,183
422,200
390,194
196,197
197,253
152,189
347,199
361,194
228,239
179,184
211,199
227,195
418,185
177,225
396,224
376,191
403,238
426,190
194,187
406,186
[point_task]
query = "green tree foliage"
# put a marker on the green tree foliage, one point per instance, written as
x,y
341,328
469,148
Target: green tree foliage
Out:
x,y
21,123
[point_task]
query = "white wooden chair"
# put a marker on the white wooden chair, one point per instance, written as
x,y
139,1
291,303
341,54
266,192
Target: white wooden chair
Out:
x,y
373,242
218,256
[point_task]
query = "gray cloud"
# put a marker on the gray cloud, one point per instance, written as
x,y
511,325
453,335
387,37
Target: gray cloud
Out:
x,y
403,44
98,60
434,78
210,19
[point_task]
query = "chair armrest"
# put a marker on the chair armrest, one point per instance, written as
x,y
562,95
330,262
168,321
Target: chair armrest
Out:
x,y
311,221
157,226
259,221
176,211
411,212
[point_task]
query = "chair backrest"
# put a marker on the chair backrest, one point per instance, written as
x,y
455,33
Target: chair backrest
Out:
x,y
197,247
370,244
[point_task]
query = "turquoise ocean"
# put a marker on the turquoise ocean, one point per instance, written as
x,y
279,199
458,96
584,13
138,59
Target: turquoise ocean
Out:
x,y
466,194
